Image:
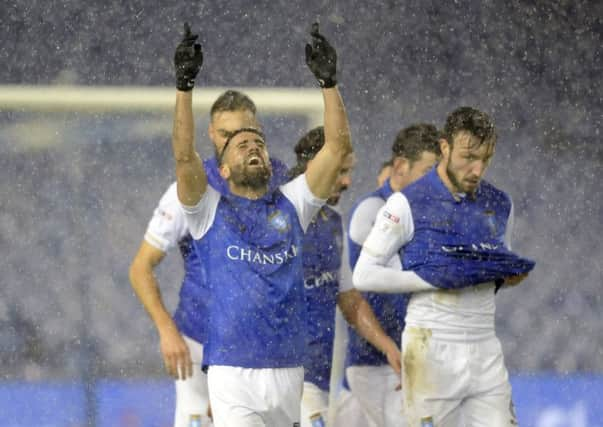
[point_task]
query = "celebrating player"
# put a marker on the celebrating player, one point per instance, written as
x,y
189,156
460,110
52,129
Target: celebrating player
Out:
x,y
415,151
452,229
327,282
181,337
251,239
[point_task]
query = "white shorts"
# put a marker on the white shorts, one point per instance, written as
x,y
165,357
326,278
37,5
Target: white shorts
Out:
x,y
314,405
375,389
192,397
454,381
348,411
244,397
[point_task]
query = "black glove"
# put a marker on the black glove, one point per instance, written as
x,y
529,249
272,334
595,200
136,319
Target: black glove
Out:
x,y
188,60
321,59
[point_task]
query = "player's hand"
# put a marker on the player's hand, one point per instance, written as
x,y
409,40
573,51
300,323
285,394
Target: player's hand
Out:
x,y
515,280
394,358
176,355
321,58
187,60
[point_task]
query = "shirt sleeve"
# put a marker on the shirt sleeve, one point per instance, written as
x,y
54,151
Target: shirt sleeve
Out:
x,y
393,228
167,225
361,222
378,268
201,216
306,204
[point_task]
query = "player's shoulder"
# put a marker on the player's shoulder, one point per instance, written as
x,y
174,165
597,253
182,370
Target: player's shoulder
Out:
x,y
367,203
427,184
494,194
397,202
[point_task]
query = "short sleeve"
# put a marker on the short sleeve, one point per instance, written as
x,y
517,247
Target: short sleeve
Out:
x,y
306,204
200,217
167,225
393,228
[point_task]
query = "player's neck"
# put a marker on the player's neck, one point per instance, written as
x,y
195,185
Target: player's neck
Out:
x,y
248,192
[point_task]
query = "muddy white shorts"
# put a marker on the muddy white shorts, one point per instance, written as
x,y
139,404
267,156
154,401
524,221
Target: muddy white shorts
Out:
x,y
450,380
375,389
245,397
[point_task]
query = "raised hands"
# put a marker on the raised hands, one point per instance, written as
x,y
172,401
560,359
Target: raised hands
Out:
x,y
187,60
321,58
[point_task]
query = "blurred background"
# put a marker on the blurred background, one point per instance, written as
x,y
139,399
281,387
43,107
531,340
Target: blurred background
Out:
x,y
77,189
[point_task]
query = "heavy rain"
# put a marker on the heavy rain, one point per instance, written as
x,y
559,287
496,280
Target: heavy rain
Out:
x,y
81,175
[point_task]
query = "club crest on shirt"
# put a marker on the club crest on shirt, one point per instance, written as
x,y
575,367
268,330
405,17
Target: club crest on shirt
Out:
x,y
278,220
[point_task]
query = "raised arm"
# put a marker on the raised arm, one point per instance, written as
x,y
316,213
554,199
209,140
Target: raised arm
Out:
x,y
192,181
322,172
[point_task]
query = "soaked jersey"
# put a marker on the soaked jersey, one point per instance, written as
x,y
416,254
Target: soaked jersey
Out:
x,y
167,229
422,221
252,260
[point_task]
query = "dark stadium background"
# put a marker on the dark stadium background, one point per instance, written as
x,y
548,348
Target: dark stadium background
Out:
x,y
77,190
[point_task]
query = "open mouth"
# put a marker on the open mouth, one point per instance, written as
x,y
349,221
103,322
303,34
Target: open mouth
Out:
x,y
255,161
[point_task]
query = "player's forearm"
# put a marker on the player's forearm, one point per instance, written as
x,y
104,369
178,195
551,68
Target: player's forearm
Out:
x,y
336,126
190,175
146,288
370,275
359,314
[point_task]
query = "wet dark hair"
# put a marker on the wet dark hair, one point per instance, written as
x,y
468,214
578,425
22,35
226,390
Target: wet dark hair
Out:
x,y
232,100
413,140
233,134
306,148
471,120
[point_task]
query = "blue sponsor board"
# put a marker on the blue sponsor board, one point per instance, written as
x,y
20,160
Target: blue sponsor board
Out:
x,y
558,401
135,403
46,404
540,401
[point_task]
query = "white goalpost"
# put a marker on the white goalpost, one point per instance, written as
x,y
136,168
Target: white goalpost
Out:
x,y
284,101
276,101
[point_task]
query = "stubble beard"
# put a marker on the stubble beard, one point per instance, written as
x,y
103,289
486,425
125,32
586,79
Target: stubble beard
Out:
x,y
254,179
458,186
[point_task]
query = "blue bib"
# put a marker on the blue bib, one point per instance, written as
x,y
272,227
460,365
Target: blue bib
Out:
x,y
252,259
459,243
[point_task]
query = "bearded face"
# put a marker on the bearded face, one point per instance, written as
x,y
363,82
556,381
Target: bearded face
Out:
x,y
466,162
247,161
254,173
